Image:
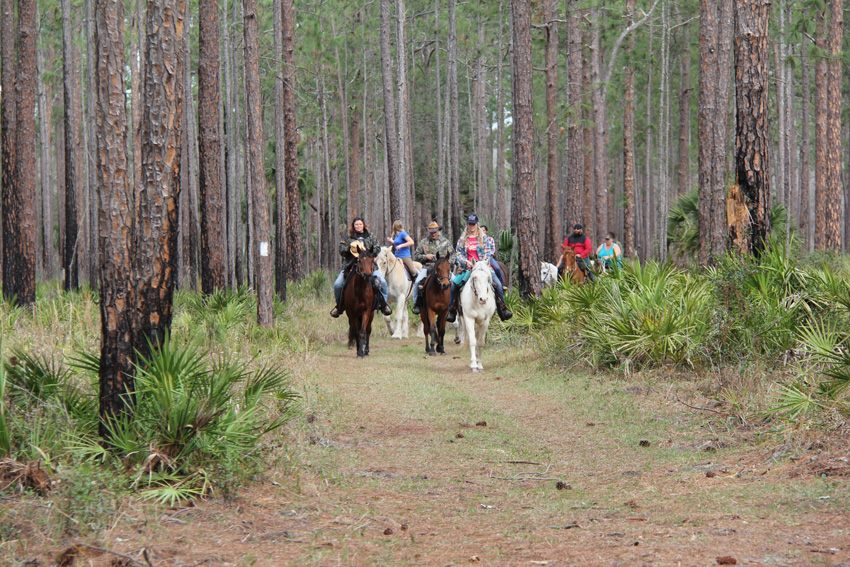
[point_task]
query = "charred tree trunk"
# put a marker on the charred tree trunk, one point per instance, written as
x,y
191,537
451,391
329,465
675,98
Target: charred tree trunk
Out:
x,y
525,196
155,244
73,185
751,136
262,227
213,269
19,223
116,216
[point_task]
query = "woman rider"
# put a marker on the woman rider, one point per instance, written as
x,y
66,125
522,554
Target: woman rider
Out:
x,y
402,245
609,252
359,232
473,246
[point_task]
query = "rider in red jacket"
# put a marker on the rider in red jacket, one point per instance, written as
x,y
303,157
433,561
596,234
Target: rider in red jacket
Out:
x,y
583,248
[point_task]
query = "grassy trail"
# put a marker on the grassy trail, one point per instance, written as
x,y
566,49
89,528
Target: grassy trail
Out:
x,y
401,459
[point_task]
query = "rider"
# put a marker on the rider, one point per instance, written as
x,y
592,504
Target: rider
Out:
x,y
610,252
497,268
582,246
402,245
474,246
435,245
359,240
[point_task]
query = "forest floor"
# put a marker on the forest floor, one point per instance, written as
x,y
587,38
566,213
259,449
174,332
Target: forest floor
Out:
x,y
404,459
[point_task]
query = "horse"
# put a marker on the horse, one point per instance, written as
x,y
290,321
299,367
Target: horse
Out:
x,y
548,274
359,301
478,303
437,290
569,268
399,290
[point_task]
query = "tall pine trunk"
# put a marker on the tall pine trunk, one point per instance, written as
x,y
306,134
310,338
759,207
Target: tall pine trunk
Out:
x,y
155,244
294,255
390,122
525,199
553,195
629,143
575,133
261,247
73,185
751,135
832,197
19,220
7,109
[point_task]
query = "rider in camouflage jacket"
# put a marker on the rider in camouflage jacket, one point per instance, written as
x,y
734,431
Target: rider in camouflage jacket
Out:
x,y
426,253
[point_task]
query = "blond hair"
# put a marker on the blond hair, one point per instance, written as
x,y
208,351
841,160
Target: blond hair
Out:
x,y
397,226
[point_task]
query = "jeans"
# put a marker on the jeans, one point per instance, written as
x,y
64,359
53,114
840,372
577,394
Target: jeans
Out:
x,y
420,277
584,265
497,269
339,283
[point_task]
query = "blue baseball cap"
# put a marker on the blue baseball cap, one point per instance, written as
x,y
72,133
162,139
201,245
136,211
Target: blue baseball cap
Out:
x,y
472,219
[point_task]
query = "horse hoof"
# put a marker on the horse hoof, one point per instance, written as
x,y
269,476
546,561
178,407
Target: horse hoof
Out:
x,y
431,353
457,340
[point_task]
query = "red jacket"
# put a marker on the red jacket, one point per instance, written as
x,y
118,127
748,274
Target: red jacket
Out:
x,y
581,245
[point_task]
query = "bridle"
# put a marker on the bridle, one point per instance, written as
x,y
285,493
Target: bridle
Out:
x,y
475,288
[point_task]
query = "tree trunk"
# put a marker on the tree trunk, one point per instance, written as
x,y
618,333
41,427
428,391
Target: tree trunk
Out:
x,y
155,245
832,197
526,206
455,208
47,186
589,182
92,180
600,162
7,109
295,267
73,185
213,269
390,122
401,146
629,143
553,205
751,135
116,216
279,158
260,249
575,138
683,184
19,229
806,223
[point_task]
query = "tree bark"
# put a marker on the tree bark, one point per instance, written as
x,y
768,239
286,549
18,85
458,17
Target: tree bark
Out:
x,y
751,135
455,208
155,244
73,185
92,180
629,143
116,216
47,181
261,247
526,206
553,196
684,167
575,133
390,122
295,268
832,207
279,158
805,152
213,270
8,29
600,161
19,222
403,126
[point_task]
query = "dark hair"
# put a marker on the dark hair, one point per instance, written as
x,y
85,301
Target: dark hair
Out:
x,y
577,226
611,235
352,232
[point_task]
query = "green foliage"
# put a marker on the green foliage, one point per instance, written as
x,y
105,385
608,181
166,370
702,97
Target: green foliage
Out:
x,y
5,433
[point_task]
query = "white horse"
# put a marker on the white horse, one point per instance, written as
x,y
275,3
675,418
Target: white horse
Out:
x,y
478,304
548,274
399,290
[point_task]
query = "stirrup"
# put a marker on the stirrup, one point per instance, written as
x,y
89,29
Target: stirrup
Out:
x,y
451,315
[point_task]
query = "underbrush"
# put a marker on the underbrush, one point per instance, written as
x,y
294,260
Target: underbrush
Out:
x,y
766,318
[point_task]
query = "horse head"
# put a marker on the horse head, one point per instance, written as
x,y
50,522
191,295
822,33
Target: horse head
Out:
x,y
384,258
442,271
569,259
481,280
365,265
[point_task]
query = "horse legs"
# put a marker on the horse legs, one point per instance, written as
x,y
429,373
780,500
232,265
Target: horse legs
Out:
x,y
352,333
404,318
400,313
472,339
426,328
441,334
366,331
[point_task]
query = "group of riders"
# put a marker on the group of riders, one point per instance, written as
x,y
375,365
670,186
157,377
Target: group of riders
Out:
x,y
474,245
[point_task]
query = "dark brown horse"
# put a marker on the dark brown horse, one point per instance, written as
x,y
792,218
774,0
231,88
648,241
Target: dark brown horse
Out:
x,y
437,295
569,268
359,300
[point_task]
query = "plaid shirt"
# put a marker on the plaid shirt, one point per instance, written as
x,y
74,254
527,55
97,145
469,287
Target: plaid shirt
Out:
x,y
485,252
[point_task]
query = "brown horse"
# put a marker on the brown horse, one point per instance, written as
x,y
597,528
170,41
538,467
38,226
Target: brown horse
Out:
x,y
437,292
359,301
569,268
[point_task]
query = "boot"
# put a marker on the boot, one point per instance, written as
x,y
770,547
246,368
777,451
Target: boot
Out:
x,y
336,311
452,314
502,308
420,299
381,304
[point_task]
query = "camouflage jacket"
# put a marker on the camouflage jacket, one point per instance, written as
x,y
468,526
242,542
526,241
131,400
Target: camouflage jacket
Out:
x,y
440,246
372,247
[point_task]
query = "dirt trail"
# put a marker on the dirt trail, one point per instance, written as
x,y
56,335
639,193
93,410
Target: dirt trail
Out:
x,y
401,459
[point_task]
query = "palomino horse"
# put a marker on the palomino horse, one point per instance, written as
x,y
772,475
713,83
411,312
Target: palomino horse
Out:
x,y
478,304
399,290
569,268
358,296
437,292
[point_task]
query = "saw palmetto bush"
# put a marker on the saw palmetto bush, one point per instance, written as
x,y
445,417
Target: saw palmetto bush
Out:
x,y
216,316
